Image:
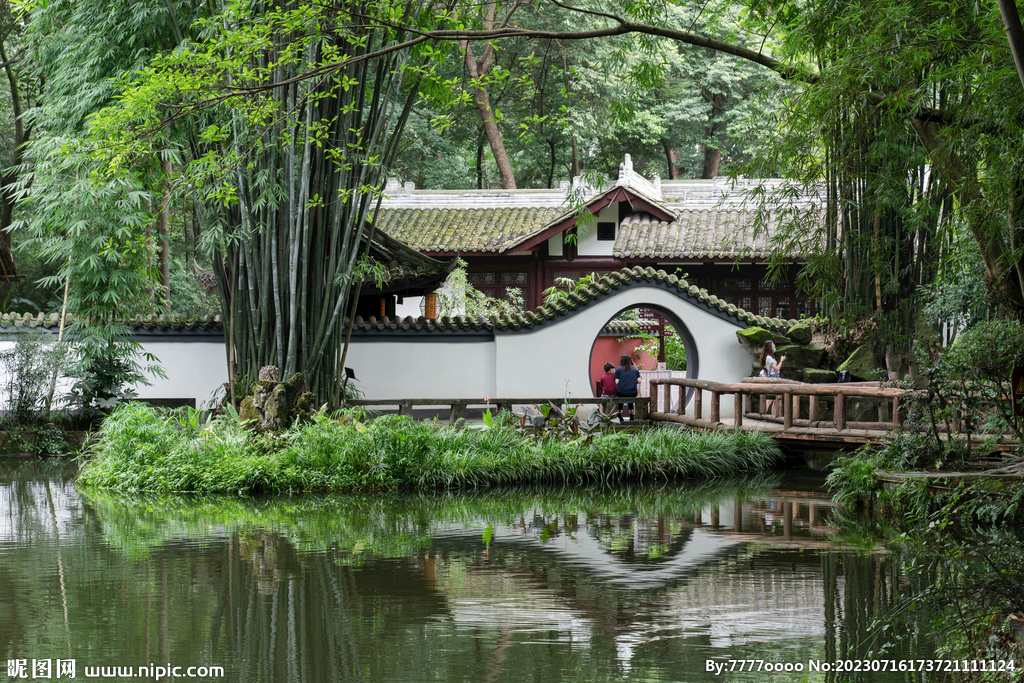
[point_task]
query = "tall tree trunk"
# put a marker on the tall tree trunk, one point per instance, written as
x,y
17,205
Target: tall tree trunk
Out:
x,y
984,226
164,236
671,157
8,269
716,133
575,170
480,174
478,70
551,166
1014,34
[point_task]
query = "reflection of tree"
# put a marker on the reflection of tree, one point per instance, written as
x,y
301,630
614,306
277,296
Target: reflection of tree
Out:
x,y
399,588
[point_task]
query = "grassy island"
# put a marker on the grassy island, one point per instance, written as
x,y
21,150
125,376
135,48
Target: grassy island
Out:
x,y
141,450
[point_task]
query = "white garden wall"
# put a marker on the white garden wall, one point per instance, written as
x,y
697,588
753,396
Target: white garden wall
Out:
x,y
527,363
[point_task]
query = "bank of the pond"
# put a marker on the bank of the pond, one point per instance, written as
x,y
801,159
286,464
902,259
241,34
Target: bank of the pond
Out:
x,y
962,537
141,450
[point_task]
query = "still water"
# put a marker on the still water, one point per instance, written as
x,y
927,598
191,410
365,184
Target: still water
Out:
x,y
638,584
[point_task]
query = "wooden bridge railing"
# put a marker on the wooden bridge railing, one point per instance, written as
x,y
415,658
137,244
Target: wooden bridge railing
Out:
x,y
785,397
458,406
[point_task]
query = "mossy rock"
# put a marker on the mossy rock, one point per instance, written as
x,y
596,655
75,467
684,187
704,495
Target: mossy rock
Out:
x,y
754,336
863,363
800,333
800,356
818,376
247,411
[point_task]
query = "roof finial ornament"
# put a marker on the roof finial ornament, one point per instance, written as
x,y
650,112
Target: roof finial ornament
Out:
x,y
627,163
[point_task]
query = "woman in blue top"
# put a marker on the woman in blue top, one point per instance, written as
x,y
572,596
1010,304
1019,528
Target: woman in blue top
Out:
x,y
627,378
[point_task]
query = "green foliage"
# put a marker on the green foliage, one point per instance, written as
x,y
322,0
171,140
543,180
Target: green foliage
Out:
x,y
961,541
966,392
92,229
285,179
31,368
139,450
458,297
188,298
564,286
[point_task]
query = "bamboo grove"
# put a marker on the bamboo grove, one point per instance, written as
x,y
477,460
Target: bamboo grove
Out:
x,y
289,115
308,179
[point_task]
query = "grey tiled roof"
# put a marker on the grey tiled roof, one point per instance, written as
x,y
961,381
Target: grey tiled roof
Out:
x,y
603,287
493,229
703,233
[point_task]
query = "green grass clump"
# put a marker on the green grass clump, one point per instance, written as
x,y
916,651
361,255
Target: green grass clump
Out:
x,y
140,450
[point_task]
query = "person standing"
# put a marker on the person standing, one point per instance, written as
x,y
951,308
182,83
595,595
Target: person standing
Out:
x,y
627,384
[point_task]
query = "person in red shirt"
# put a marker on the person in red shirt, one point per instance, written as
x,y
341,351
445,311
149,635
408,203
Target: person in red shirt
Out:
x,y
608,380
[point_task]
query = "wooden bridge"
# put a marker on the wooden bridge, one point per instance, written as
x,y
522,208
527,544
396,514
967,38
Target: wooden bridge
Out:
x,y
817,415
790,411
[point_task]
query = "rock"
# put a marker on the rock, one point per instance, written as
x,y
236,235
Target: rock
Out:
x,y
801,356
270,373
800,333
275,405
863,363
798,358
818,376
755,336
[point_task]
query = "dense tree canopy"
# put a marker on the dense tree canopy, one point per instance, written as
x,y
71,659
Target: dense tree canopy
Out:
x,y
272,125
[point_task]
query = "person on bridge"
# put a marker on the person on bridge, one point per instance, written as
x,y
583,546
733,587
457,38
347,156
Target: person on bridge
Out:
x,y
627,378
771,368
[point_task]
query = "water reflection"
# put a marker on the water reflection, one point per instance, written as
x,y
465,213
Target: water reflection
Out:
x,y
634,584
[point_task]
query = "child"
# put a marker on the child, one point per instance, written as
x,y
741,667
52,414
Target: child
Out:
x,y
608,380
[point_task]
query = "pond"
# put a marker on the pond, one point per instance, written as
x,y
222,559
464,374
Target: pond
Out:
x,y
541,585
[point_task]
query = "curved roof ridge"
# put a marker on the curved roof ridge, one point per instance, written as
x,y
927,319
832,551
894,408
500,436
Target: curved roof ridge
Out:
x,y
604,286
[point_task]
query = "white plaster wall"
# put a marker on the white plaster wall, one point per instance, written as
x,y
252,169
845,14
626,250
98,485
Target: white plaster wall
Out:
x,y
539,363
194,370
589,245
524,365
410,306
423,369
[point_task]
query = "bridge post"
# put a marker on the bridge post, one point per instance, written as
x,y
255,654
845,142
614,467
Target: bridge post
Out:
x,y
716,408
667,395
839,414
812,408
698,403
737,405
897,417
787,410
458,410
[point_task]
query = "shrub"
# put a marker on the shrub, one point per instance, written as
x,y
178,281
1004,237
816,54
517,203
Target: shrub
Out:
x,y
140,450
